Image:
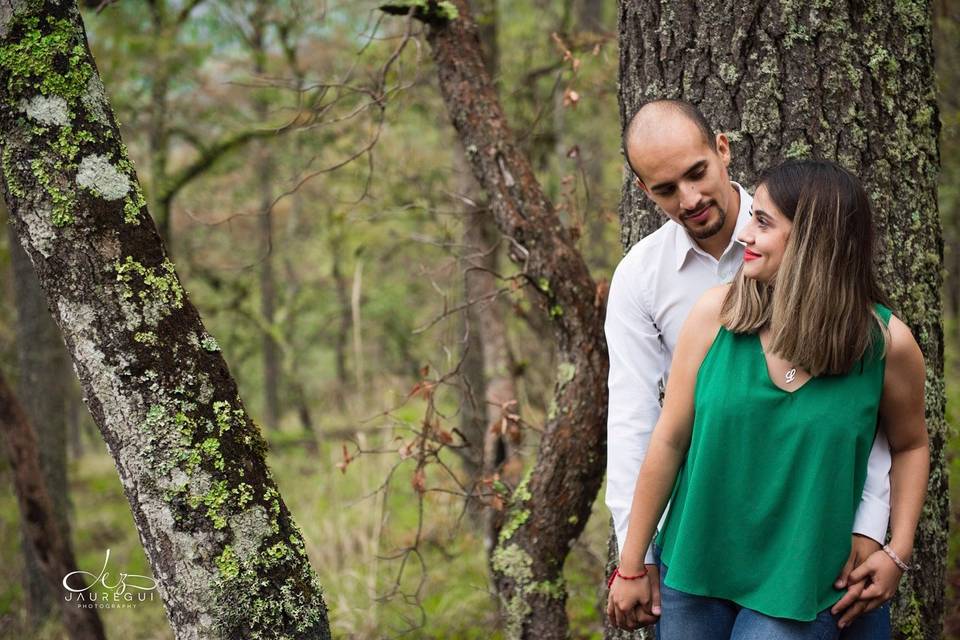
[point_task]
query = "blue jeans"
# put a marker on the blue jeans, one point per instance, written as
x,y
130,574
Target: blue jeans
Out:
x,y
686,616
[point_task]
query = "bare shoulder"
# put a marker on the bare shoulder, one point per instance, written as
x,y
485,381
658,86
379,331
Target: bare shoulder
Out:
x,y
704,320
707,308
904,357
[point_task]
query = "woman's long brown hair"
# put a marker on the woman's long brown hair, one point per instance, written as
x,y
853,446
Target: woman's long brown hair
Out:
x,y
820,304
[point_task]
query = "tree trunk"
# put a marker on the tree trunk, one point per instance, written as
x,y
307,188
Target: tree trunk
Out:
x,y
355,323
48,541
268,287
549,509
474,410
495,442
590,15
158,135
191,460
42,385
852,82
341,285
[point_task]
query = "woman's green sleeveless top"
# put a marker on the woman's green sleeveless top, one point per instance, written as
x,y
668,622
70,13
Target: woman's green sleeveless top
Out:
x,y
763,508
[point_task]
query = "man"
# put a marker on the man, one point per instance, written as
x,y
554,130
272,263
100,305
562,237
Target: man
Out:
x,y
682,166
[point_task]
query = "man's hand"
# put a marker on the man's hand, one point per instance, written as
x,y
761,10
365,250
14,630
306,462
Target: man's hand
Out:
x,y
850,604
633,604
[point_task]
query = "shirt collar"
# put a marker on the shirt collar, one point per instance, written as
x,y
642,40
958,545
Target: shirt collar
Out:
x,y
685,244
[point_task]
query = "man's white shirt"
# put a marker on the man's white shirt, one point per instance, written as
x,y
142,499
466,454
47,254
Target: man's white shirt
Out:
x,y
652,291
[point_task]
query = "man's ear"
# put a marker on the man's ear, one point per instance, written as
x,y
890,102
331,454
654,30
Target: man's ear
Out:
x,y
640,184
723,148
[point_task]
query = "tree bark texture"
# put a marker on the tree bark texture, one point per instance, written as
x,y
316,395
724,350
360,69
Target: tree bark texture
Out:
x,y
42,387
49,543
848,81
550,507
228,557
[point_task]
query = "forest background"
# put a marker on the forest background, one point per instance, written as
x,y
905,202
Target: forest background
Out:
x,y
327,256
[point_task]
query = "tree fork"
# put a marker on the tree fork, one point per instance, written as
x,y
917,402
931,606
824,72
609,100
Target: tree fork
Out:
x,y
227,555
551,506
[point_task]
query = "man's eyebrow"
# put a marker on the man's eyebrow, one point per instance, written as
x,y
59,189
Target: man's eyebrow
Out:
x,y
700,164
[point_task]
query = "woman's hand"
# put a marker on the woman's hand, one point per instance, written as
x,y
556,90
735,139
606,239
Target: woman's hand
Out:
x,y
633,604
882,575
850,606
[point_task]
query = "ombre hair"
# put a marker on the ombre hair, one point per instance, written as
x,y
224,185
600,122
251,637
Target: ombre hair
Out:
x,y
820,303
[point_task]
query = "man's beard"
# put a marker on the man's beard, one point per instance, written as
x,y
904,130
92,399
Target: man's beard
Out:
x,y
702,233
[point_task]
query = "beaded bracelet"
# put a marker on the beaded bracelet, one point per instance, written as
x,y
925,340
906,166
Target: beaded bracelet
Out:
x,y
896,559
616,572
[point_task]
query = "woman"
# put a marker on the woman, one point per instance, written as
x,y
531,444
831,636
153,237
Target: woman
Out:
x,y
778,384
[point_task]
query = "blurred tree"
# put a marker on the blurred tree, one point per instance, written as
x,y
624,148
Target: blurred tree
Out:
x,y
488,365
259,21
850,82
191,460
46,536
42,384
946,35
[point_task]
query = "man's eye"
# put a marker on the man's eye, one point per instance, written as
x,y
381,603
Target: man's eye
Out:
x,y
698,174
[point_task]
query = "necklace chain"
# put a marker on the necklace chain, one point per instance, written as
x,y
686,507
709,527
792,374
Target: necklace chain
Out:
x,y
791,373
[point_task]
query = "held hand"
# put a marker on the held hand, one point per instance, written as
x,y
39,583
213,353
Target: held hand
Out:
x,y
883,576
850,605
631,603
880,575
653,572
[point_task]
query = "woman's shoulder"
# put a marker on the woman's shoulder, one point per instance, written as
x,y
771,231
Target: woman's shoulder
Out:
x,y
703,323
710,303
902,349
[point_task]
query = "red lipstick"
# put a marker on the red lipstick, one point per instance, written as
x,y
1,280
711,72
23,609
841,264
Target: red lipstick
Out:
x,y
749,255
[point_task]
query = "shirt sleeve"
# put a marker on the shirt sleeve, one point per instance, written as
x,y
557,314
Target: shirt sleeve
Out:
x,y
873,514
637,367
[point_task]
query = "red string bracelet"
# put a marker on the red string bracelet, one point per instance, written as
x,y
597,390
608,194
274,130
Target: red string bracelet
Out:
x,y
616,572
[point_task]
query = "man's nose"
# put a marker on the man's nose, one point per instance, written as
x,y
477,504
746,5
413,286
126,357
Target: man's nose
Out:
x,y
689,196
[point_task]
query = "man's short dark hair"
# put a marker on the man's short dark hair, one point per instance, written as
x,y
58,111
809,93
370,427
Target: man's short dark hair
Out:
x,y
688,109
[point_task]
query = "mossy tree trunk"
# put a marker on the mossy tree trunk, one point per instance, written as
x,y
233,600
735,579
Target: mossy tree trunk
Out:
x,y
848,81
229,560
549,509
